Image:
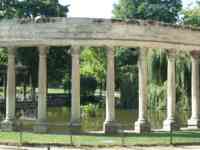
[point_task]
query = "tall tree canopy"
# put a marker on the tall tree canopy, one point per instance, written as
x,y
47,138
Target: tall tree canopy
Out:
x,y
31,8
57,57
159,10
192,16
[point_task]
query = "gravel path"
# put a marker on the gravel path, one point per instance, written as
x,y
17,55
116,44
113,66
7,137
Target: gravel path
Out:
x,y
2,147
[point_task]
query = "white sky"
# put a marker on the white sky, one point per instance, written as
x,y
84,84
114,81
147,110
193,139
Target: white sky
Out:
x,y
99,8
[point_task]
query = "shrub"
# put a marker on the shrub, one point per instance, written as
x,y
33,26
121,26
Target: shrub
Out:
x,y
90,110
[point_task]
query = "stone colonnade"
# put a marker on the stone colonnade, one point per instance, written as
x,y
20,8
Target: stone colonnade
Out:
x,y
110,125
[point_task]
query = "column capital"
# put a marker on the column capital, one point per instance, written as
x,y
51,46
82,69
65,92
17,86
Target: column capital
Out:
x,y
43,50
75,49
195,54
11,50
171,53
110,51
143,52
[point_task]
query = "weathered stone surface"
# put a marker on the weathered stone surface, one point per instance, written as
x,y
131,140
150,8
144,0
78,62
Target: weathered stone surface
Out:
x,y
194,121
111,127
98,32
75,91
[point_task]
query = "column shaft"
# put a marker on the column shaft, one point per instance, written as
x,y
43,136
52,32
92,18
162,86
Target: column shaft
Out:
x,y
194,121
142,125
41,125
170,122
9,122
75,98
110,125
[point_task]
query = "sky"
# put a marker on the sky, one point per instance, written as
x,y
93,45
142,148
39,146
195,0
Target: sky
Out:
x,y
99,8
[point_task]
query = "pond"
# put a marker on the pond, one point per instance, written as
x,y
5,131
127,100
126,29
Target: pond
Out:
x,y
59,117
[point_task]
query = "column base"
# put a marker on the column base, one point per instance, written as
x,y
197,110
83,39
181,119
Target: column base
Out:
x,y
142,126
75,126
170,125
111,127
41,127
193,123
8,125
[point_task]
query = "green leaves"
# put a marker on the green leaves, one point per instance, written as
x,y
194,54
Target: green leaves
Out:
x,y
31,8
192,16
159,10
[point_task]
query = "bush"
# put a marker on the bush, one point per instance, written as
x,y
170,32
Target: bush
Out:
x,y
90,110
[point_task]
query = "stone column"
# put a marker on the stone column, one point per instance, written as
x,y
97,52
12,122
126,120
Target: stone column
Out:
x,y
41,124
142,125
110,125
75,97
9,123
194,121
170,123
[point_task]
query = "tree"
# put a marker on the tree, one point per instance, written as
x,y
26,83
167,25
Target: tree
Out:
x,y
192,16
159,10
8,8
93,63
127,76
57,57
33,8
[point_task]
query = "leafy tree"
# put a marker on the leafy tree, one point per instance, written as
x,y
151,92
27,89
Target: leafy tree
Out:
x,y
159,10
8,8
127,76
191,16
57,58
93,63
48,8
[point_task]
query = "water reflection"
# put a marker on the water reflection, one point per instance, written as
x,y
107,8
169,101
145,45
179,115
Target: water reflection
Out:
x,y
60,115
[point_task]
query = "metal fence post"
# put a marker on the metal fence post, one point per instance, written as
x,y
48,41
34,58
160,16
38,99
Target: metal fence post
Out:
x,y
20,133
171,136
71,139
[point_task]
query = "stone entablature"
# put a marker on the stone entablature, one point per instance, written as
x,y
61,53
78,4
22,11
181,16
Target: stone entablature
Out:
x,y
98,32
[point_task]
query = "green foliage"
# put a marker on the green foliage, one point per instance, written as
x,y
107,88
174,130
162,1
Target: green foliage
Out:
x,y
192,16
48,8
157,63
127,76
157,96
93,63
59,64
3,56
88,85
90,110
159,10
58,57
8,8
183,79
31,8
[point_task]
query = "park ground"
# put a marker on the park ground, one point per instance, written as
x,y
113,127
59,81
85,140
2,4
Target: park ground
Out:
x,y
4,147
152,141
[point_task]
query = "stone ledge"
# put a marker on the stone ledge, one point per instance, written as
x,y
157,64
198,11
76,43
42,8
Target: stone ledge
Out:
x,y
169,125
8,125
142,126
111,127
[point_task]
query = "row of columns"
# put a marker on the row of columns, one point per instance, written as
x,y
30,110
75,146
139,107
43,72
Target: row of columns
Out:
x,y
110,124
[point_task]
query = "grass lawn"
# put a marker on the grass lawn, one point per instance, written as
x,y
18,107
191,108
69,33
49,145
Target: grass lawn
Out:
x,y
159,138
